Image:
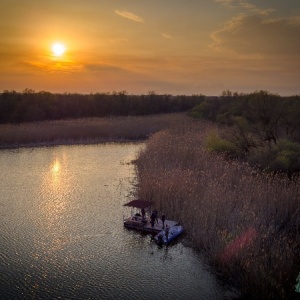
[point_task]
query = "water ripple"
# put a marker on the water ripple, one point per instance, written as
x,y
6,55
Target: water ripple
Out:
x,y
62,237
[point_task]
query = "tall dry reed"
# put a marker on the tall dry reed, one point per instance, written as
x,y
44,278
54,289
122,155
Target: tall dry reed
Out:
x,y
84,130
245,221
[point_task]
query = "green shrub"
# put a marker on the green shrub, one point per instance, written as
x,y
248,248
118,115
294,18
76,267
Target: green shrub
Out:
x,y
214,143
199,111
225,118
287,157
196,114
283,157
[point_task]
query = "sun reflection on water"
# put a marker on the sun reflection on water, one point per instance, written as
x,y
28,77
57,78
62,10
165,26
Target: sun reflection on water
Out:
x,y
55,204
55,179
56,167
56,190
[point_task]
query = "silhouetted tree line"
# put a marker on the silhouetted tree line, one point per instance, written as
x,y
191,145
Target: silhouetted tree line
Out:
x,y
261,128
30,106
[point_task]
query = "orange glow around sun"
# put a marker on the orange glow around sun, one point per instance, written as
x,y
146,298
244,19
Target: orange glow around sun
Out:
x,y
58,49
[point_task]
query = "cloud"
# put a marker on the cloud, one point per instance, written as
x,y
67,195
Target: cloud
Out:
x,y
102,68
62,66
129,15
68,66
256,35
245,7
166,35
227,3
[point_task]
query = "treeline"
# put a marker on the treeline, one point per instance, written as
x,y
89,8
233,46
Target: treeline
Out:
x,y
31,106
260,128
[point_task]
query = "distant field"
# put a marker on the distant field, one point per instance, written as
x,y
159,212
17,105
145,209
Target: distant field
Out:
x,y
91,130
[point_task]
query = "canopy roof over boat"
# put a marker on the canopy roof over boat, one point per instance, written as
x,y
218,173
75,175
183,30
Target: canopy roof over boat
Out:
x,y
139,203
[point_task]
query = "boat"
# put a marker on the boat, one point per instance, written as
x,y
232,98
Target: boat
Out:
x,y
140,217
174,232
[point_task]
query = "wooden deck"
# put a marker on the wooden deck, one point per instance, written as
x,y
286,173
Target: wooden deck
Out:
x,y
145,225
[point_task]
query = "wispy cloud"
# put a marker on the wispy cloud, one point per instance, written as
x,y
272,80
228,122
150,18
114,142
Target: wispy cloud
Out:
x,y
167,36
102,68
62,66
227,3
245,6
256,35
129,15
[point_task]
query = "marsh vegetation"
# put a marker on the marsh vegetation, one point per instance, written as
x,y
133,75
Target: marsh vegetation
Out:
x,y
92,130
246,221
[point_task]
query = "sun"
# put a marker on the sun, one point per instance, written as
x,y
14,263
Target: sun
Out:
x,y
58,49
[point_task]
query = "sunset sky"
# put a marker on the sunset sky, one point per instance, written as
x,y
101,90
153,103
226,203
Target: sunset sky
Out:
x,y
167,46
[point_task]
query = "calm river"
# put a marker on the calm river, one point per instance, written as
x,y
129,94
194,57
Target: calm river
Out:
x,y
62,236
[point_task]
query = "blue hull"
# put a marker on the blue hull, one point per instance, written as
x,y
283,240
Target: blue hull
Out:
x,y
174,232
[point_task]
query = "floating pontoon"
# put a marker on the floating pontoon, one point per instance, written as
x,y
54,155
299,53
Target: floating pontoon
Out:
x,y
141,222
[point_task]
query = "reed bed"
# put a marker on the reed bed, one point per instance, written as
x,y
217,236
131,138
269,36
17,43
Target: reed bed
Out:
x,y
246,222
91,130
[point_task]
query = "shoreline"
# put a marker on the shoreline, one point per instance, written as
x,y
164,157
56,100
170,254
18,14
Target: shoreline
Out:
x,y
85,131
67,142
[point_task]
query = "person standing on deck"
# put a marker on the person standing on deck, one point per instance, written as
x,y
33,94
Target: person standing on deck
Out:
x,y
163,218
156,214
167,232
143,213
152,219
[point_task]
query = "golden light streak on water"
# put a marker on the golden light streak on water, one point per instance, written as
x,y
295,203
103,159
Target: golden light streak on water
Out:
x,y
55,203
56,167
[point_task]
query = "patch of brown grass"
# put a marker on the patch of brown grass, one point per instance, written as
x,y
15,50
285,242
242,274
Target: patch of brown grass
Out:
x,y
92,130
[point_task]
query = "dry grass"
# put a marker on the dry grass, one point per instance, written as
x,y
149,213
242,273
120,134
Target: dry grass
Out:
x,y
246,222
92,130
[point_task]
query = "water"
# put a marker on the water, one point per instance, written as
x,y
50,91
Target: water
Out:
x,y
62,236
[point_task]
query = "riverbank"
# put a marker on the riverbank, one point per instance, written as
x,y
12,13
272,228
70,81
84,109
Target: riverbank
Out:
x,y
85,131
246,222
